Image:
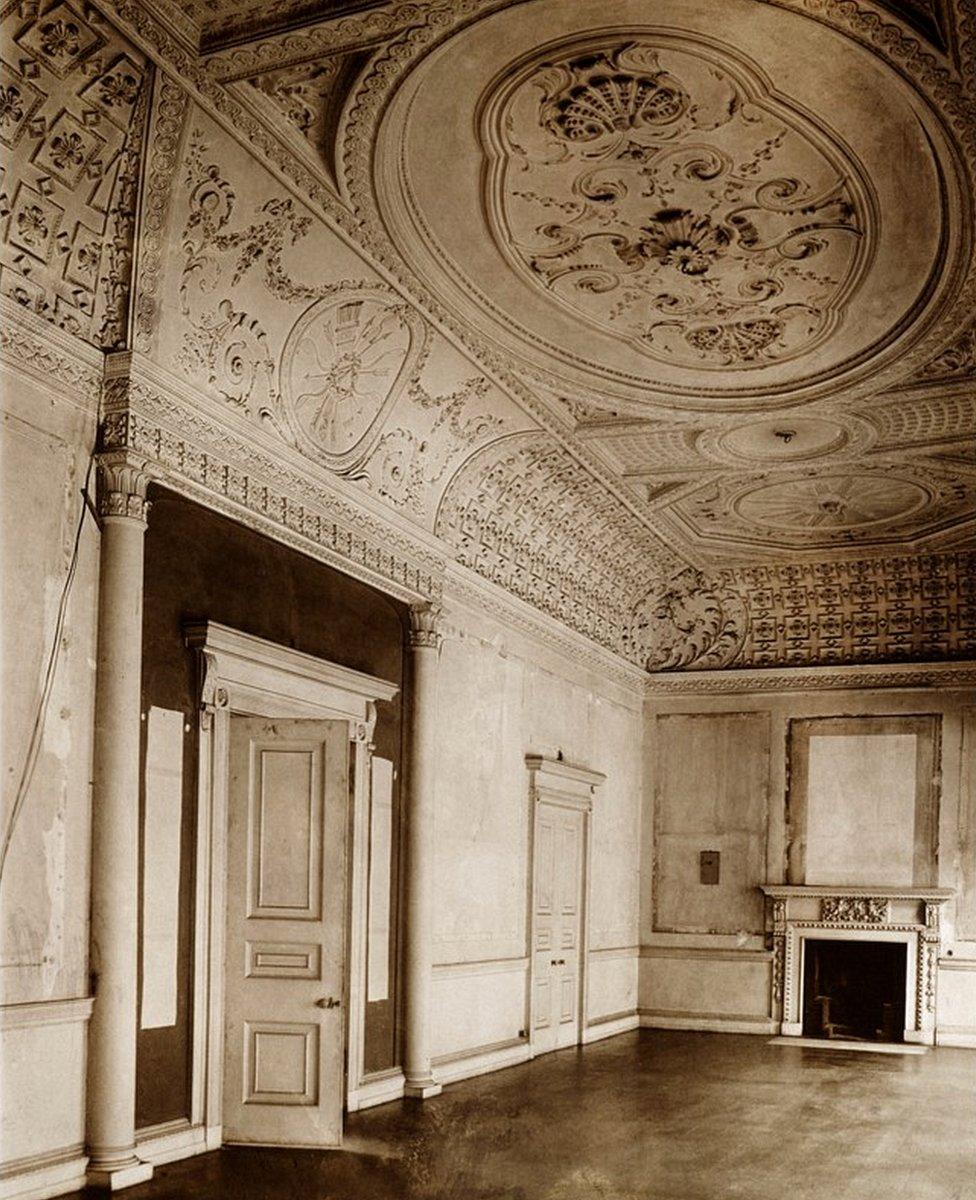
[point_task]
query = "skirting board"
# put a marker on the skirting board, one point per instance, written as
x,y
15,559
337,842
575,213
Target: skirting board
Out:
x,y
611,1027
650,1019
42,1176
964,1038
376,1091
454,1067
171,1142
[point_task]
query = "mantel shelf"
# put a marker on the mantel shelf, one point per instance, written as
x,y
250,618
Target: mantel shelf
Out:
x,y
786,890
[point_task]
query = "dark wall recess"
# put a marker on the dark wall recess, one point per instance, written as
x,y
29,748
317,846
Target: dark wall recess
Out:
x,y
202,566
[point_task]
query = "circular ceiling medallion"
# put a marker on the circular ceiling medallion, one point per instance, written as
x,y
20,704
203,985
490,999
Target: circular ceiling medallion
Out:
x,y
777,440
699,213
658,191
835,502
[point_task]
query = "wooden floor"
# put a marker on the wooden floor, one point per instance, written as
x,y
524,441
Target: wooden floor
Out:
x,y
650,1115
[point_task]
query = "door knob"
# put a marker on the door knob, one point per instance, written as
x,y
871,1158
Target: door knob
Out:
x,y
558,962
327,1002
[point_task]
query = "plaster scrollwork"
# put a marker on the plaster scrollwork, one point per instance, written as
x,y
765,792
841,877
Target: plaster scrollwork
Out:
x,y
665,196
356,353
843,909
688,622
957,360
225,343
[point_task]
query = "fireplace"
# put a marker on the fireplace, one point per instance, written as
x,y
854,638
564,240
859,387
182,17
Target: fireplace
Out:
x,y
831,943
854,990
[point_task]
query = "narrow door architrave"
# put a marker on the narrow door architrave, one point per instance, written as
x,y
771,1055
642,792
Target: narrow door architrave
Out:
x,y
552,781
245,675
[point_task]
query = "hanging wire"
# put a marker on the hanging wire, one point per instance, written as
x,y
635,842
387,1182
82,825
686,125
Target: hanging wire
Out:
x,y
37,731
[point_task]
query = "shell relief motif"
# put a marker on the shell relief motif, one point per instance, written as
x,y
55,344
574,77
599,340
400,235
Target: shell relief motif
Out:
x,y
658,190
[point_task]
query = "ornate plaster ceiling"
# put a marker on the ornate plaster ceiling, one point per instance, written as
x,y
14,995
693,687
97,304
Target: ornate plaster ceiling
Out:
x,y
665,218
652,332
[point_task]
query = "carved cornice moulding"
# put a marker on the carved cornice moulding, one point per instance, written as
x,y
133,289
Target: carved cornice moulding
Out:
x,y
59,361
267,488
903,676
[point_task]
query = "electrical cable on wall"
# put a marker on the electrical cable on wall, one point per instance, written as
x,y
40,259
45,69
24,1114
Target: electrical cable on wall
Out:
x,y
37,730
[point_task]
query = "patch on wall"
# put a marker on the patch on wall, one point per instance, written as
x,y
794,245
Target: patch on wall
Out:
x,y
863,801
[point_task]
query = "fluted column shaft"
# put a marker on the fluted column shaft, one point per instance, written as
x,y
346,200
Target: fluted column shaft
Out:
x,y
115,828
424,641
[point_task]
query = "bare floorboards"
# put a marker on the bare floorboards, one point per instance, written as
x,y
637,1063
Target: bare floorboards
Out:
x,y
647,1116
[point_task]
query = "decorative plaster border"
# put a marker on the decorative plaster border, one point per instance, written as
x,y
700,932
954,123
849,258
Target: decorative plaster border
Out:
x,y
905,676
237,469
60,362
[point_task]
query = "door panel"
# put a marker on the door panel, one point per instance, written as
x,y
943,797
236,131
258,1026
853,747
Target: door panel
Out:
x,y
557,930
286,916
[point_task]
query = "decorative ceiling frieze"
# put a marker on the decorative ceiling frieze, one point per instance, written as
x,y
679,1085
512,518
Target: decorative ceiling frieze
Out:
x,y
526,515
901,608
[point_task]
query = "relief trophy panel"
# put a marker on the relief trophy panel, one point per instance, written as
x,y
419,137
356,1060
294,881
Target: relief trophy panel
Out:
x,y
341,368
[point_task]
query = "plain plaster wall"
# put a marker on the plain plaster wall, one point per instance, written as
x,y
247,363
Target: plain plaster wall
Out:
x,y
47,438
502,696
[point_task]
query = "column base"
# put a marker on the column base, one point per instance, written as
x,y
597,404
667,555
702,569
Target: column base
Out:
x,y
114,1178
422,1089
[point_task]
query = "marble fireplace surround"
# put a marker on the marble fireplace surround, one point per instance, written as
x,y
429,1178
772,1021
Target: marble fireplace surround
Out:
x,y
908,915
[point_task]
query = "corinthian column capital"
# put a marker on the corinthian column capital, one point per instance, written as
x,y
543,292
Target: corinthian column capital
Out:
x,y
426,631
122,483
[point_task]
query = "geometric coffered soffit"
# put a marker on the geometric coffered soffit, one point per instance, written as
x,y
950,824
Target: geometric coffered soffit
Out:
x,y
73,102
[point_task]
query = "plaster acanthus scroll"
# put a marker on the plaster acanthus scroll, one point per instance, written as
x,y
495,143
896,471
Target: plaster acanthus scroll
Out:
x,y
688,622
170,103
426,628
845,909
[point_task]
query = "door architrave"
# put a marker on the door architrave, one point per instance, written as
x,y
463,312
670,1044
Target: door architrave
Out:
x,y
552,781
243,675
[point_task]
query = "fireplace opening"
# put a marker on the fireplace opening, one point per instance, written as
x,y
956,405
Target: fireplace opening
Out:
x,y
854,990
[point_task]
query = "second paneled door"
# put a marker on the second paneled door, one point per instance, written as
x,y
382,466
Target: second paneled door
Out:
x,y
557,912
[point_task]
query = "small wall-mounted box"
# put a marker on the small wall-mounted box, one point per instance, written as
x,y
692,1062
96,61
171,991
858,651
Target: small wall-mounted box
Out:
x,y
708,866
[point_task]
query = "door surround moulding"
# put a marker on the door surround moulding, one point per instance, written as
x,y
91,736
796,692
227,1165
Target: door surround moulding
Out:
x,y
553,781
241,674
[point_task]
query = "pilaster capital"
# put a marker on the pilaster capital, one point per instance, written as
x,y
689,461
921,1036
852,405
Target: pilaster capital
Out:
x,y
122,482
426,631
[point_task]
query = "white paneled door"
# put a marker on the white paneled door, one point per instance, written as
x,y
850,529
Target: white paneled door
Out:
x,y
286,923
557,902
